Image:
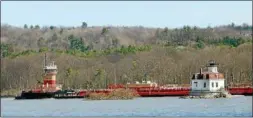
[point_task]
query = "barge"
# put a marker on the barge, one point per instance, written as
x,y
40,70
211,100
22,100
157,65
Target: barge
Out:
x,y
49,88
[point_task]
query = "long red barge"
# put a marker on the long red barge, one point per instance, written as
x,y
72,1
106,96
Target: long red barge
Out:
x,y
162,91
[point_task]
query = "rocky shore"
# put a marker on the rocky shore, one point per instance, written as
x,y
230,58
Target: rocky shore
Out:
x,y
9,93
219,94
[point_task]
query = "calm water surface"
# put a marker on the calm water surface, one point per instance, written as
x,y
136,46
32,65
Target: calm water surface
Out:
x,y
160,106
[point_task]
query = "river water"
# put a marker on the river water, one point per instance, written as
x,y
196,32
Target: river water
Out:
x,y
156,106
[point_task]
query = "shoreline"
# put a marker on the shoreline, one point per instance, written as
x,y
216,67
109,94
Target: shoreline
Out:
x,y
7,96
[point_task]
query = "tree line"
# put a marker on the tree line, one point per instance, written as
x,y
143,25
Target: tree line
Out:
x,y
98,38
77,48
164,65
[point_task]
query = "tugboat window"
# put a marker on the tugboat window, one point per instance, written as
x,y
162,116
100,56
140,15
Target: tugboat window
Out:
x,y
216,84
204,85
212,84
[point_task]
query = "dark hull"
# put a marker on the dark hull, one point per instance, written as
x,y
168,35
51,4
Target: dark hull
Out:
x,y
68,97
245,94
66,94
30,95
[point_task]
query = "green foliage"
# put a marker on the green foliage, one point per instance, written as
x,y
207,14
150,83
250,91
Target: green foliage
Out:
x,y
195,28
28,52
6,50
43,49
71,37
199,43
76,51
132,49
233,42
232,24
25,26
51,27
78,48
31,27
166,30
77,44
134,64
84,25
248,41
104,31
37,27
58,51
187,28
69,71
144,48
107,51
23,53
125,50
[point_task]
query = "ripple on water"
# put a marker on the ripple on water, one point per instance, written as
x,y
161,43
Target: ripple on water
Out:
x,y
161,106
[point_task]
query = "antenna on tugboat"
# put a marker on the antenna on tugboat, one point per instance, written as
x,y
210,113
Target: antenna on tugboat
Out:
x,y
45,59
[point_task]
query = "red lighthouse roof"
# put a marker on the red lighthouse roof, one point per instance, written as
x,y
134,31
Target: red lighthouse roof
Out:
x,y
210,73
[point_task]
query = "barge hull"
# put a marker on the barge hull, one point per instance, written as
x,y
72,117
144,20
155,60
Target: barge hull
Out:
x,y
143,93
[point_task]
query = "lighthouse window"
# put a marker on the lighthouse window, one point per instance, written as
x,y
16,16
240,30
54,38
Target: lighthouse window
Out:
x,y
204,85
216,84
212,84
196,84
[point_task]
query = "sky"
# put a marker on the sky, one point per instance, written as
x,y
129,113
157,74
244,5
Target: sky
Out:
x,y
170,14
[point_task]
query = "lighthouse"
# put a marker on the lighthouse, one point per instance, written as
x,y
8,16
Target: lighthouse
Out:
x,y
209,81
49,78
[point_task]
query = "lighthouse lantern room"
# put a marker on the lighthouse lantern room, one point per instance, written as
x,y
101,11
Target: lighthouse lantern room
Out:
x,y
207,81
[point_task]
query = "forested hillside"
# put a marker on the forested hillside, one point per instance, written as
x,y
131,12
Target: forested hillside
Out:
x,y
86,56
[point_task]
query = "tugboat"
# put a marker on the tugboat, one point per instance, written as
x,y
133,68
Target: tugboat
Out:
x,y
49,86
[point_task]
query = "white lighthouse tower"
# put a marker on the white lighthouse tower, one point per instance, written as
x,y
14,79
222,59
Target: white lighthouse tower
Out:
x,y
209,81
